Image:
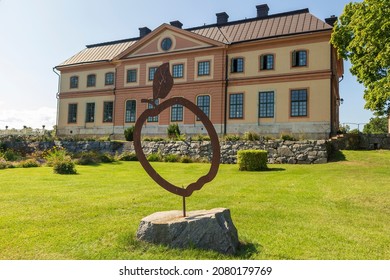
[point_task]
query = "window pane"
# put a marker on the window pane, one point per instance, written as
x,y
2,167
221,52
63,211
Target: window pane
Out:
x,y
108,109
266,104
299,103
74,82
203,102
152,71
91,80
90,112
132,75
154,118
109,79
72,113
130,111
236,106
178,71
203,68
237,65
177,113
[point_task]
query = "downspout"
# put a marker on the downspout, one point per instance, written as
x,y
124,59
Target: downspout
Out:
x,y
226,94
57,97
331,93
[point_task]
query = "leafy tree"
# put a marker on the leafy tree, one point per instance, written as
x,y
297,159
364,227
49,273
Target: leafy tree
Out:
x,y
362,36
377,125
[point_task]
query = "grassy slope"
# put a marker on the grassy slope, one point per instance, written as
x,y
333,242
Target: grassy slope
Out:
x,y
339,210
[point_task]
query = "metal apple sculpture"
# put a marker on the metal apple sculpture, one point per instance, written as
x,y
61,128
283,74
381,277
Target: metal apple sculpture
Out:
x,y
162,85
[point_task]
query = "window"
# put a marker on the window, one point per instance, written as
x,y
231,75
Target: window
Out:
x,y
150,106
203,102
91,80
177,113
299,103
90,113
178,71
152,71
237,65
203,68
166,44
236,106
130,111
299,58
266,104
132,76
72,113
108,109
74,82
267,62
109,79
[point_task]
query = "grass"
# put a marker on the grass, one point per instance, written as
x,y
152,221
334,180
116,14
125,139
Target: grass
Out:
x,y
339,210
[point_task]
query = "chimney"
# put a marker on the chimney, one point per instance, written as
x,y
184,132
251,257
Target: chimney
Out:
x,y
222,18
262,10
331,20
143,31
177,24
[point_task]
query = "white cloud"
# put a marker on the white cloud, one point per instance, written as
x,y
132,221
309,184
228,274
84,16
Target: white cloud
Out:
x,y
30,118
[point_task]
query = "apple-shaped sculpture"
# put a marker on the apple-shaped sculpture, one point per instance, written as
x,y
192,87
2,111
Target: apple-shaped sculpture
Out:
x,y
162,84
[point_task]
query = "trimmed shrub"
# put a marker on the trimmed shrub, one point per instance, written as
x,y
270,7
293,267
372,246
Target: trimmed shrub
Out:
x,y
129,133
252,160
128,157
65,166
29,163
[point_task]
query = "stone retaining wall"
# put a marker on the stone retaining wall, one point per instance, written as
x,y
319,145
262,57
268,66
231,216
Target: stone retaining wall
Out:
x,y
279,151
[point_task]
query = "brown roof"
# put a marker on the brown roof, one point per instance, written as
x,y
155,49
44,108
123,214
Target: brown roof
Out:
x,y
296,22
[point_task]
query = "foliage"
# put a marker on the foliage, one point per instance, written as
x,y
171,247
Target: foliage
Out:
x,y
200,138
171,158
343,129
232,137
252,160
173,131
251,136
287,137
55,154
65,166
128,157
362,36
106,158
186,159
129,132
10,155
154,157
88,158
377,125
29,163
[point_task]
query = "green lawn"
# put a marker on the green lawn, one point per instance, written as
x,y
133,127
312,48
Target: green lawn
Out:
x,y
339,210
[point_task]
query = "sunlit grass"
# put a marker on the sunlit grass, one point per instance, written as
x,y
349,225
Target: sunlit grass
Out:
x,y
339,210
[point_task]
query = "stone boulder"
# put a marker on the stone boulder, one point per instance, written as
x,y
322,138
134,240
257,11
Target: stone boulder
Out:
x,y
204,229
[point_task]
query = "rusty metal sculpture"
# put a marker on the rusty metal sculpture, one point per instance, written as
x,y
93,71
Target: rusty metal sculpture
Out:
x,y
162,85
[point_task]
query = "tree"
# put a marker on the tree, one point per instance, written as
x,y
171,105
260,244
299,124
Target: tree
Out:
x,y
377,125
362,36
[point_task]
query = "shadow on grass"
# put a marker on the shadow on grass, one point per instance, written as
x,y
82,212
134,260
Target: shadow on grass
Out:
x,y
275,169
247,250
337,156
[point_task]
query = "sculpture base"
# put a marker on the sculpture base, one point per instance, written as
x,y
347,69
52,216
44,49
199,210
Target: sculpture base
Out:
x,y
204,229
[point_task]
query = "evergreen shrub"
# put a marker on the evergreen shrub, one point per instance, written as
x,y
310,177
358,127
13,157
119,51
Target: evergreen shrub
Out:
x,y
252,160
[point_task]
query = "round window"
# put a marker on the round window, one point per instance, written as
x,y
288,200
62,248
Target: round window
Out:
x,y
166,44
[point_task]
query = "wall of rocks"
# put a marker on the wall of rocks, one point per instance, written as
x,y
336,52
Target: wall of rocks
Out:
x,y
279,151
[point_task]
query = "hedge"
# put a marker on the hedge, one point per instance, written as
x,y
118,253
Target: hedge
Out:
x,y
252,160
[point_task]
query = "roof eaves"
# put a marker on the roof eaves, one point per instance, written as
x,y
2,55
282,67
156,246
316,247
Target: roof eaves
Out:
x,y
81,63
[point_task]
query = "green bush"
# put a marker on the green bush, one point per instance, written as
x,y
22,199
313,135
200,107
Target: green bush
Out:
x,y
65,166
10,155
129,133
200,138
232,137
252,160
128,157
173,131
29,163
251,136
54,155
186,159
171,158
287,137
106,158
154,157
88,158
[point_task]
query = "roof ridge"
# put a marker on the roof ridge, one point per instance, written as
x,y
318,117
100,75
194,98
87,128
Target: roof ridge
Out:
x,y
113,42
296,12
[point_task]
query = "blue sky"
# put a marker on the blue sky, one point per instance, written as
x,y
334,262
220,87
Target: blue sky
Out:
x,y
36,35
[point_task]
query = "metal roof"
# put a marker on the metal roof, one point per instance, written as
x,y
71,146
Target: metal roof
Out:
x,y
284,24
